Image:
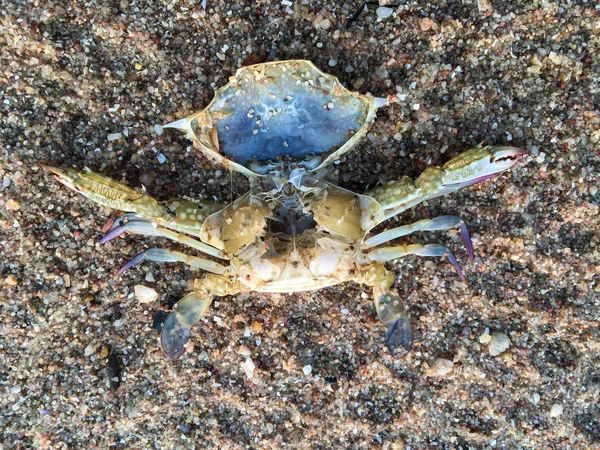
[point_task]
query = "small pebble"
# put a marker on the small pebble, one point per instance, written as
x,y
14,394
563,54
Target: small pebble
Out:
x,y
149,277
161,158
485,338
158,129
324,24
11,280
244,350
358,83
536,398
67,279
248,367
89,350
440,368
499,344
345,311
556,410
384,13
145,294
382,72
114,136
428,24
593,190
13,205
307,370
256,327
484,5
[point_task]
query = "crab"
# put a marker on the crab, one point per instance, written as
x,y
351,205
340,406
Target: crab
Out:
x,y
283,124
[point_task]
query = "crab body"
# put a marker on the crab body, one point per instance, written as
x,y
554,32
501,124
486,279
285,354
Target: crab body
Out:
x,y
282,124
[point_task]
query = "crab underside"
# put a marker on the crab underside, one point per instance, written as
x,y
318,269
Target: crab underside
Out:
x,y
283,124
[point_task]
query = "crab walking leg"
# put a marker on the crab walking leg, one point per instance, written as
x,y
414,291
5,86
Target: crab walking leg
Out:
x,y
390,308
391,253
188,311
164,255
470,167
435,224
148,227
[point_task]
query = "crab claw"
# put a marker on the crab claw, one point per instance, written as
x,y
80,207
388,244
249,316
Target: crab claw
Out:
x,y
65,176
176,330
108,192
479,164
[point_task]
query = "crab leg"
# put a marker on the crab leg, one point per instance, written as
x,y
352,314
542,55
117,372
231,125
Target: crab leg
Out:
x,y
187,216
470,167
146,215
188,311
177,327
390,308
435,224
164,255
108,192
391,253
148,227
183,215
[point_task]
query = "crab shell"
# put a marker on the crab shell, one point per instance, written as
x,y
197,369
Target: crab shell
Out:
x,y
280,112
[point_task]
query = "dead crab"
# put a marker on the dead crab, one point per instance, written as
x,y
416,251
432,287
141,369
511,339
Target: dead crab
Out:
x,y
283,124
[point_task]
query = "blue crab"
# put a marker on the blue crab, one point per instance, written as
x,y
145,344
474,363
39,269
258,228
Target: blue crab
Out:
x,y
283,124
